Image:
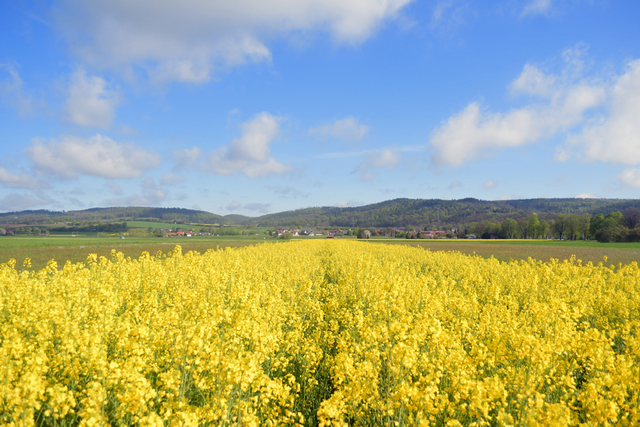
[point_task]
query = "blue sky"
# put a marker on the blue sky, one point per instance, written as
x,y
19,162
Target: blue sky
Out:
x,y
252,106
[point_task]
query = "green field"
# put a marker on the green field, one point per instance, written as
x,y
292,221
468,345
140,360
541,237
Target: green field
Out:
x,y
544,250
147,224
75,249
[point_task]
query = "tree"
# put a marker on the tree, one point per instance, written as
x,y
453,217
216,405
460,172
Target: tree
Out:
x,y
533,228
631,217
559,226
523,224
595,224
509,228
571,227
609,231
583,225
545,228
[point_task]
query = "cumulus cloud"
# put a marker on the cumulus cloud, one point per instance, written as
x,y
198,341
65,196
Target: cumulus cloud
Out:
x,y
385,158
20,202
250,153
97,155
614,137
489,184
532,81
185,41
347,129
477,131
537,7
24,181
91,101
630,177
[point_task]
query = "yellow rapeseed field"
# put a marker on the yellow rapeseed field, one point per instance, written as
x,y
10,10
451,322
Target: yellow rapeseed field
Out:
x,y
328,333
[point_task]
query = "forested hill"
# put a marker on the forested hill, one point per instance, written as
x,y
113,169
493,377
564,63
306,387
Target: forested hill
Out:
x,y
420,212
398,212
112,214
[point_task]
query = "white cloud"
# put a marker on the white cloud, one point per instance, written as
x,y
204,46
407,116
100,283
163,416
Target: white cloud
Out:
x,y
586,196
476,131
97,155
347,129
455,184
25,181
249,154
613,138
532,81
537,7
20,202
630,177
385,158
185,41
489,184
347,204
91,102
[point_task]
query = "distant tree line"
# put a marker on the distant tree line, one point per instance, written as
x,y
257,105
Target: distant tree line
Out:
x,y
614,227
107,227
